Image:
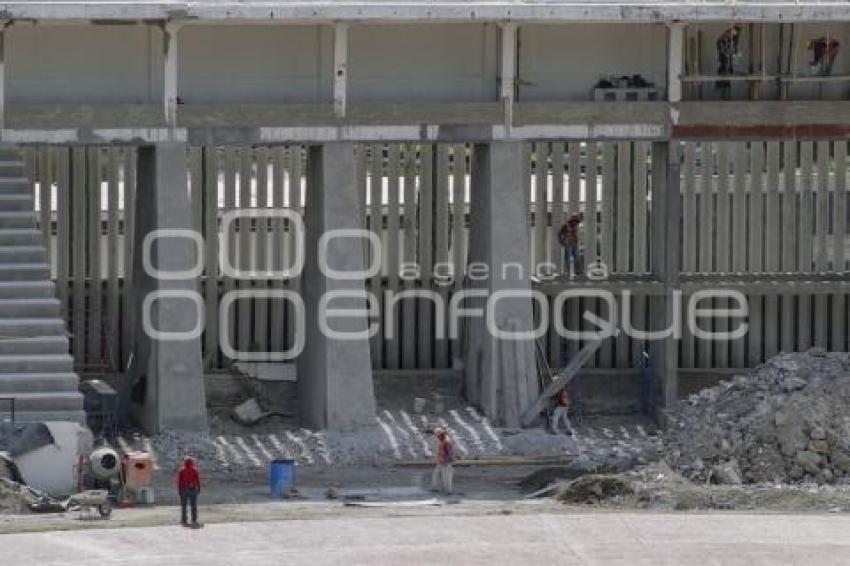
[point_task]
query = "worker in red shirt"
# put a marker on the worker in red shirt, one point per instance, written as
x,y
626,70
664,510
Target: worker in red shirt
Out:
x,y
561,412
444,470
188,486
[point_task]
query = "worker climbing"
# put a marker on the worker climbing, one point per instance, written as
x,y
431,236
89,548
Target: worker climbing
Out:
x,y
568,236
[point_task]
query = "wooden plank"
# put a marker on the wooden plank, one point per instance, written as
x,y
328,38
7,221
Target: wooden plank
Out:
x,y
557,207
458,213
624,198
277,314
376,225
723,255
540,226
393,252
408,323
821,219
706,204
591,208
94,353
230,166
607,236
298,168
63,226
78,240
211,249
789,234
557,255
640,220
689,211
441,213
112,291
426,255
689,240
756,209
244,307
260,259
839,259
772,249
45,188
573,207
806,223
624,230
839,304
756,233
129,163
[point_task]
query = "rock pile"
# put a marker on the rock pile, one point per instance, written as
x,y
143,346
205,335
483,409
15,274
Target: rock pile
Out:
x,y
788,420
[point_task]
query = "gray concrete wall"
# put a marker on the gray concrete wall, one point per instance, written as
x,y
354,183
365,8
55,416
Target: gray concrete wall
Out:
x,y
427,63
83,64
255,63
564,62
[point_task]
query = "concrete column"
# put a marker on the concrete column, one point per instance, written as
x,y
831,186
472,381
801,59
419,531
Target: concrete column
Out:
x,y
665,226
675,54
500,373
165,370
340,69
334,372
508,66
170,72
3,37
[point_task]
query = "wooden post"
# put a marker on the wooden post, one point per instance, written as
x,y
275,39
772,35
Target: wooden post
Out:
x,y
675,41
170,72
507,90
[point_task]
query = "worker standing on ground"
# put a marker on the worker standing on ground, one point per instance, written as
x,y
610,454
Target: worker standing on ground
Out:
x,y
444,470
568,236
561,412
189,486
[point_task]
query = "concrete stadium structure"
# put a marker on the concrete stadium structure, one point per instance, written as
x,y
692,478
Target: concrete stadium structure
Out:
x,y
170,77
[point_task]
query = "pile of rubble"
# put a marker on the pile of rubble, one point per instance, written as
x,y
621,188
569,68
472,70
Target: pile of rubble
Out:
x,y
785,421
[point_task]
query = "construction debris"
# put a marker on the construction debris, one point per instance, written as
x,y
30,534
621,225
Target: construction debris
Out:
x,y
595,488
784,421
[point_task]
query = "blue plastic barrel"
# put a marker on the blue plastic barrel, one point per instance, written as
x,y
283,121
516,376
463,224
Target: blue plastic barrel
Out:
x,y
281,477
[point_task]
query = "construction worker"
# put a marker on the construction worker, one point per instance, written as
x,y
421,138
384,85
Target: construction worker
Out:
x,y
568,236
443,475
188,487
727,50
561,412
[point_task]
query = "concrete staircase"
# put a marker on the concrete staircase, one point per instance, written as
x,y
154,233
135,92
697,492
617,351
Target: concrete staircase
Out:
x,y
35,367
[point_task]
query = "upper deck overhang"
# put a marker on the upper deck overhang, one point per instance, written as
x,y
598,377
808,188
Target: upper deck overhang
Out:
x,y
539,11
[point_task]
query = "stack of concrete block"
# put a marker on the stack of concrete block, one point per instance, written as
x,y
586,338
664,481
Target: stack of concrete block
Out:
x,y
35,367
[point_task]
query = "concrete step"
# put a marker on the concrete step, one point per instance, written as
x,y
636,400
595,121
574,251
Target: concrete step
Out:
x,y
17,202
33,363
23,254
37,382
21,237
45,401
9,152
24,271
17,219
41,345
43,307
42,416
31,327
26,289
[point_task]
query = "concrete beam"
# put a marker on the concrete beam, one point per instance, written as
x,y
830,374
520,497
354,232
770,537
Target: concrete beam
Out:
x,y
170,79
340,69
658,11
500,373
675,60
334,372
507,87
166,369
